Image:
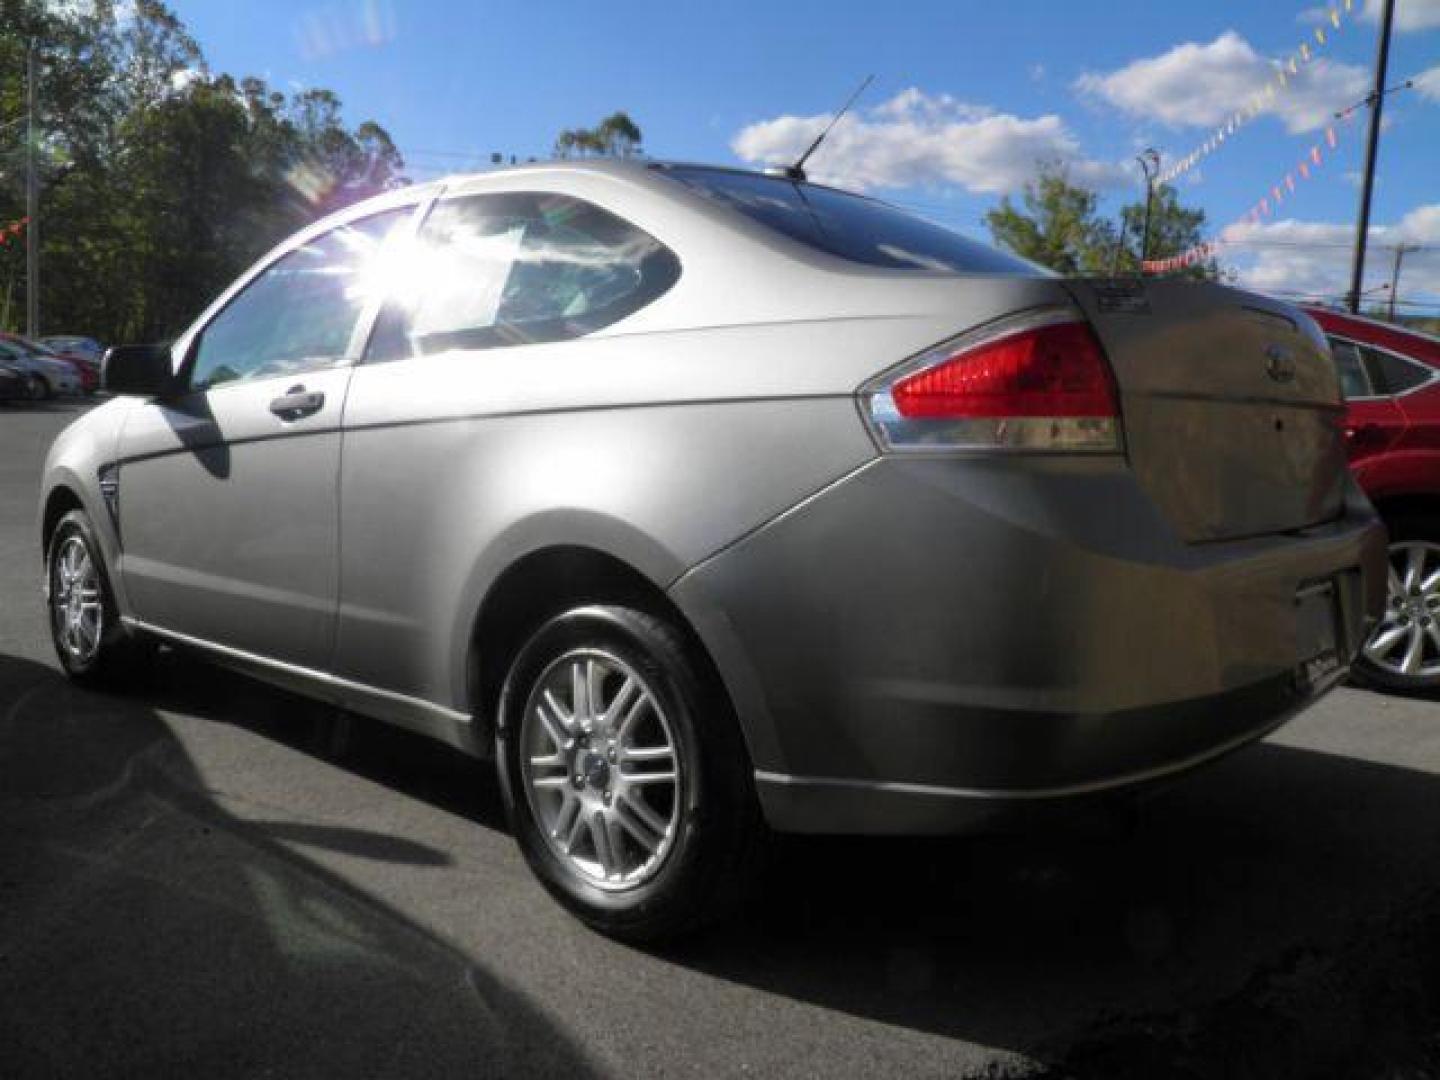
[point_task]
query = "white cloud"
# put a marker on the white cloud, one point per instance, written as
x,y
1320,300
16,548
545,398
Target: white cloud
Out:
x,y
919,139
1410,15
1203,85
1427,84
1312,258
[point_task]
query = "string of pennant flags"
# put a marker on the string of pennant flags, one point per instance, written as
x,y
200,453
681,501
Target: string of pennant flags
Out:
x,y
1267,206
1308,50
13,229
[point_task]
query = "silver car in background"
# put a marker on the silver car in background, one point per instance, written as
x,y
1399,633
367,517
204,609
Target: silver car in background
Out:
x,y
710,503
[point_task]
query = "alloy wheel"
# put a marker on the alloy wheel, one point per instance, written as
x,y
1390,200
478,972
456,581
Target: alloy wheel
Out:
x,y
1407,641
601,769
77,609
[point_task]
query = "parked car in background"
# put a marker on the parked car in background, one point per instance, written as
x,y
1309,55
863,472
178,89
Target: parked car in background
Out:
x,y
13,385
1391,380
891,532
74,345
85,369
89,373
46,376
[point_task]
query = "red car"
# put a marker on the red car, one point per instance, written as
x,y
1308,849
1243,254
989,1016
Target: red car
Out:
x,y
1391,381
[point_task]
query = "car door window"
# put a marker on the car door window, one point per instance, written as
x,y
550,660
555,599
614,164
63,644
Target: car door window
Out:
x,y
298,315
513,268
1354,379
1393,374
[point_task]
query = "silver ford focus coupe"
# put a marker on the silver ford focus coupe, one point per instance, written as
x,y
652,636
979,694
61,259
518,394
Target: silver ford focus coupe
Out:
x,y
711,503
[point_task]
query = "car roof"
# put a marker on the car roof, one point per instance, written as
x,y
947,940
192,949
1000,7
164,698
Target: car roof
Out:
x,y
644,169
1373,331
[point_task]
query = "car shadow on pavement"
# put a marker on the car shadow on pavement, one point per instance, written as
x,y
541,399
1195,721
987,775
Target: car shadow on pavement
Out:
x,y
145,930
1236,880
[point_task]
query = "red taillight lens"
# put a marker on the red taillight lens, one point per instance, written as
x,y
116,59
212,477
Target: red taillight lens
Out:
x,y
1056,370
1036,382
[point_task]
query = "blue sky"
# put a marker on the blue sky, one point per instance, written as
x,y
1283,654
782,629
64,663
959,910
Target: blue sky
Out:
x,y
967,98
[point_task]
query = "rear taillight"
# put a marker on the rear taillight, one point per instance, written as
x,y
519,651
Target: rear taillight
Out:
x,y
1036,382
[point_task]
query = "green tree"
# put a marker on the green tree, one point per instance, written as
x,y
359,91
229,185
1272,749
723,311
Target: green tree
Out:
x,y
160,182
1174,230
1059,225
615,136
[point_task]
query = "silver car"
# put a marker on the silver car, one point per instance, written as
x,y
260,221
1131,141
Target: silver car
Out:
x,y
710,503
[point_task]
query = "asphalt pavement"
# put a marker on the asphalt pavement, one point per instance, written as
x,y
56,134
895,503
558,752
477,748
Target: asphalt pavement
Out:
x,y
206,876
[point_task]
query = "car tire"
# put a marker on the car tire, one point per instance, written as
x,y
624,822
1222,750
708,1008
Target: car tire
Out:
x,y
93,645
1407,617
655,884
36,388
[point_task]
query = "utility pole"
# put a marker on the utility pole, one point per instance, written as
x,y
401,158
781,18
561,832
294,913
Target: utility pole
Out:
x,y
1376,102
1401,250
32,201
1150,166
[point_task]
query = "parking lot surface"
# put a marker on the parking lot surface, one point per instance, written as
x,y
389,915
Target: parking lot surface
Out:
x,y
210,877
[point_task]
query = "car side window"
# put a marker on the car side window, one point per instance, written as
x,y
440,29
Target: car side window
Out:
x,y
298,315
514,268
1354,380
1393,374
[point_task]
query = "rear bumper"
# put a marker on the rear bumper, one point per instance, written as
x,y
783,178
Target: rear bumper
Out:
x,y
931,644
1128,751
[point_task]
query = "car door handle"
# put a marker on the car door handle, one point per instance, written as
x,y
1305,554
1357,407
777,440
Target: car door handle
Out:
x,y
297,403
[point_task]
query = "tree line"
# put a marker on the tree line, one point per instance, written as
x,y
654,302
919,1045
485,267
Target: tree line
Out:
x,y
161,180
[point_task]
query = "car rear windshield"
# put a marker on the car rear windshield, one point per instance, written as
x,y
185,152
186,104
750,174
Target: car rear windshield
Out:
x,y
851,226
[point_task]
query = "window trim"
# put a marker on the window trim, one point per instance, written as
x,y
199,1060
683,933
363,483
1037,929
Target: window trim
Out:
x,y
1432,374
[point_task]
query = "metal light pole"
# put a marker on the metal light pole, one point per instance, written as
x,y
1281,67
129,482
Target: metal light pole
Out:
x,y
32,202
1376,101
1150,165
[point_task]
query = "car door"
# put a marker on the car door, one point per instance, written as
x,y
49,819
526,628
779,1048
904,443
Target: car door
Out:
x,y
227,487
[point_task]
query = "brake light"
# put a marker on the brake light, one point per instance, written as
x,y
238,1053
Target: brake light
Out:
x,y
1038,382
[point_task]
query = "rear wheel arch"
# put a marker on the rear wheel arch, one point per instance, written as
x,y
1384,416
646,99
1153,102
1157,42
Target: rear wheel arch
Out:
x,y
552,580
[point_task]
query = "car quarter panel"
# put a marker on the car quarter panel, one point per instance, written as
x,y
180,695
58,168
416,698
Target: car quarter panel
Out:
x,y
1013,626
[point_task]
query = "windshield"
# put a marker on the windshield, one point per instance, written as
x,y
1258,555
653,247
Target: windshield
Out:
x,y
853,227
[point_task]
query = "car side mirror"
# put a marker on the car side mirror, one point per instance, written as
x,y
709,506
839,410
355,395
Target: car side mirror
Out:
x,y
144,370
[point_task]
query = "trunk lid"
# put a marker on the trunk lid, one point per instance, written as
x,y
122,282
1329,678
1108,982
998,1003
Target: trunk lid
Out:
x,y
1230,403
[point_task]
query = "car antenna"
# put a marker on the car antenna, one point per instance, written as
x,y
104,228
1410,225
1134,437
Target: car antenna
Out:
x,y
796,173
